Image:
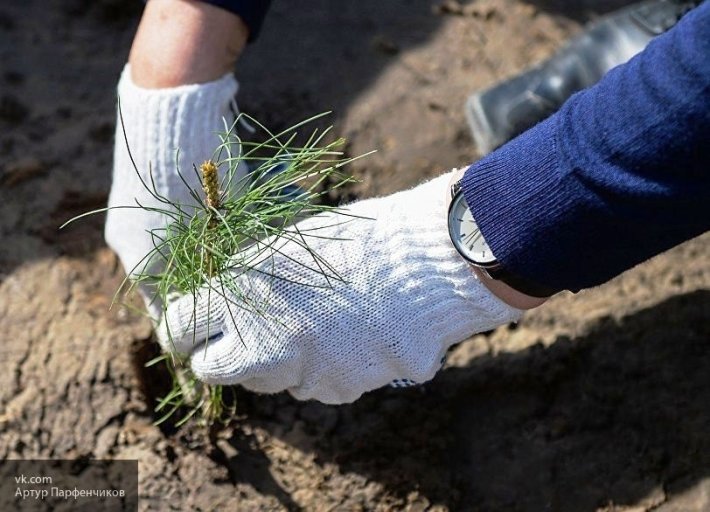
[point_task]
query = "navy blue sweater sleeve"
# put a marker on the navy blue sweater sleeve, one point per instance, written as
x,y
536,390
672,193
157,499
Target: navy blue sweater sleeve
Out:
x,y
252,12
619,174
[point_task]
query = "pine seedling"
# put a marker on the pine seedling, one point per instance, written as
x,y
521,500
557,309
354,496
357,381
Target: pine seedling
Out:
x,y
234,224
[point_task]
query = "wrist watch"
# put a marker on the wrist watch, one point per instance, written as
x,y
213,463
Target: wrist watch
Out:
x,y
470,244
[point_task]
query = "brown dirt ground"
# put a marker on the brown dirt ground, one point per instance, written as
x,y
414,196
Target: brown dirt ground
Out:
x,y
594,402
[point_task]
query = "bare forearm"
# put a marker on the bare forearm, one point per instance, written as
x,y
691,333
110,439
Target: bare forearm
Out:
x,y
183,42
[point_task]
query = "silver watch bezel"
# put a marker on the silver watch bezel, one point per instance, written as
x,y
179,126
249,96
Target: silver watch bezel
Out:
x,y
456,197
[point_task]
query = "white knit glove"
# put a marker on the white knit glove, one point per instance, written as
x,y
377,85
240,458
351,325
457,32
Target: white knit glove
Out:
x,y
407,297
158,122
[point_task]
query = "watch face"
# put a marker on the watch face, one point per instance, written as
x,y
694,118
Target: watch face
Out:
x,y
466,236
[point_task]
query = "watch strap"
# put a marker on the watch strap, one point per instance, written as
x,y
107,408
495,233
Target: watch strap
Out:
x,y
520,284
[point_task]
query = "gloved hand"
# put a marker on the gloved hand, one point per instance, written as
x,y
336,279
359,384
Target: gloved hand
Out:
x,y
405,297
158,122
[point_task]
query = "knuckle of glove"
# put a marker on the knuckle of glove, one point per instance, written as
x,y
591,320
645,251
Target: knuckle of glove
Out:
x,y
168,332
234,359
186,324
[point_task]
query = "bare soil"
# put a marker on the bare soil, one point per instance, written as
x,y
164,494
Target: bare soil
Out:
x,y
594,402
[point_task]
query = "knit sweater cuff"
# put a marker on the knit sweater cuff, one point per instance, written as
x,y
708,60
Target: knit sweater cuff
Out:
x,y
251,12
515,195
